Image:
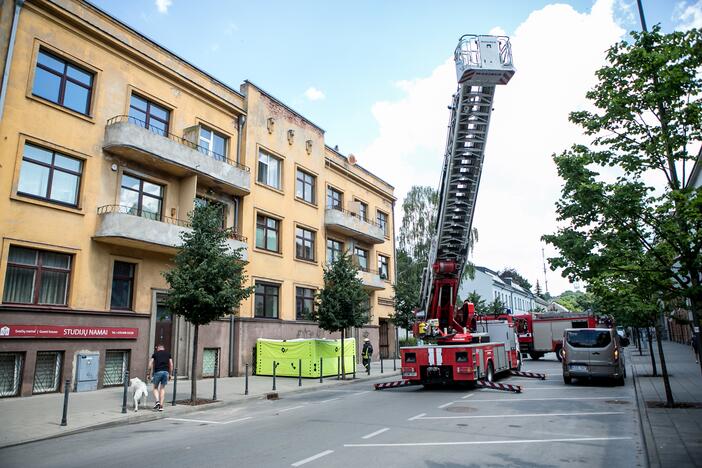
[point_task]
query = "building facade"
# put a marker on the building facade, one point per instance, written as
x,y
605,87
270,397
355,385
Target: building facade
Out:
x,y
108,143
488,284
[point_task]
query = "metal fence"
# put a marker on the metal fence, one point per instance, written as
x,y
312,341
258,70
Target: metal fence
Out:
x,y
10,373
47,371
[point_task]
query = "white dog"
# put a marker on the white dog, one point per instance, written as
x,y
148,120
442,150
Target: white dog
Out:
x,y
140,391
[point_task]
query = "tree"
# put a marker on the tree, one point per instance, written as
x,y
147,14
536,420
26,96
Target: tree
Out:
x,y
496,307
628,208
576,301
208,279
407,286
538,291
478,302
516,277
341,303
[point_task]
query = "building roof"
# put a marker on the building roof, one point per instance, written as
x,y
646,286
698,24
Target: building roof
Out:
x,y
282,104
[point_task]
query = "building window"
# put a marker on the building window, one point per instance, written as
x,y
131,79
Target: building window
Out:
x,y
10,374
267,233
304,244
335,199
213,144
382,220
149,115
36,276
334,250
49,176
383,268
116,364
63,83
305,186
362,210
304,303
361,258
142,198
122,285
222,208
210,362
266,300
268,169
47,371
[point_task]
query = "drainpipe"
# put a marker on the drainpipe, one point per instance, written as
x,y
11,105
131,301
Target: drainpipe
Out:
x,y
8,59
394,271
231,345
242,121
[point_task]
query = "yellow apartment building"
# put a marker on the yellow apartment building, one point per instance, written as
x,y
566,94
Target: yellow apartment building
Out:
x,y
107,142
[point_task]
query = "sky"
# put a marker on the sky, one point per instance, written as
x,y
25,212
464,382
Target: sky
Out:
x,y
378,76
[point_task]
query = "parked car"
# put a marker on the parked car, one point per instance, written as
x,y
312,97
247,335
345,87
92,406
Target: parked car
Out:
x,y
593,352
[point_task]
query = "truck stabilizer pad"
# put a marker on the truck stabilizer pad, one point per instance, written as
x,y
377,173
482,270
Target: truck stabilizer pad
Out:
x,y
395,384
499,386
533,375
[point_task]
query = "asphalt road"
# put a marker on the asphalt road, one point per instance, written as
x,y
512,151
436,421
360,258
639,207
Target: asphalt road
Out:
x,y
550,424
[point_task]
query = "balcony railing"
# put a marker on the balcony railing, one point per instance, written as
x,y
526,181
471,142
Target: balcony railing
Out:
x,y
129,210
355,215
177,139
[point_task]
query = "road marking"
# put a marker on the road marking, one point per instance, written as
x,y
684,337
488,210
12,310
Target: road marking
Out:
x,y
237,420
417,417
491,442
517,415
331,399
373,434
467,396
360,393
194,420
447,404
312,458
291,408
549,399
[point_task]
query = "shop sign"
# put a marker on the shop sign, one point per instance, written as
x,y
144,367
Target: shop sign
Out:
x,y
64,332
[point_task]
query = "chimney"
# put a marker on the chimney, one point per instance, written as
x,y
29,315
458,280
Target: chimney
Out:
x,y
508,280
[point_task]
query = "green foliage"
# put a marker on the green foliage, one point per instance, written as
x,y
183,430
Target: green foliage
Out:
x,y
409,277
516,277
411,341
342,302
625,234
208,280
538,290
478,302
419,210
576,301
496,307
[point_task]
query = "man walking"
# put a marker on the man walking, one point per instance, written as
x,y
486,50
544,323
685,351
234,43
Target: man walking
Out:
x,y
366,353
162,365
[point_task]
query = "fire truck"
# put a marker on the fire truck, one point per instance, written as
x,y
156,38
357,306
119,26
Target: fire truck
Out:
x,y
455,347
542,332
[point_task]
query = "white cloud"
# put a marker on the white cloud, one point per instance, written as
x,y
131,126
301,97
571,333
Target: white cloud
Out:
x,y
688,16
313,94
163,5
556,55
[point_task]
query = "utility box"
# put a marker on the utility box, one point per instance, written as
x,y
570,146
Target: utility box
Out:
x,y
87,366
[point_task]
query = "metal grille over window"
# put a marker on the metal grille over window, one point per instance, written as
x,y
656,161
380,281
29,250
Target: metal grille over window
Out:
x,y
46,372
116,362
10,374
210,356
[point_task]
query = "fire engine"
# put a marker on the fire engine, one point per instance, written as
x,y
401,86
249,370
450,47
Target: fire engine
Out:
x,y
455,346
542,332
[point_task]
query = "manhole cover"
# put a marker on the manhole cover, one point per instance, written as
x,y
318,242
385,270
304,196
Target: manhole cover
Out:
x,y
462,425
460,409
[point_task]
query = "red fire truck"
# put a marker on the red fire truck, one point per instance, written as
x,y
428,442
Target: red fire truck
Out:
x,y
542,332
455,348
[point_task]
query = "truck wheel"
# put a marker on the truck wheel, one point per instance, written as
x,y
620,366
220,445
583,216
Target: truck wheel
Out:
x,y
558,353
490,376
619,381
535,356
567,380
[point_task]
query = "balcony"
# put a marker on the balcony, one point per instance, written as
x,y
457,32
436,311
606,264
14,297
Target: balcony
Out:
x,y
350,224
119,225
127,137
371,279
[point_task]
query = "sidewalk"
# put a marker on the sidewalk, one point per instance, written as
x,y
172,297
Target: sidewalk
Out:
x,y
673,436
38,417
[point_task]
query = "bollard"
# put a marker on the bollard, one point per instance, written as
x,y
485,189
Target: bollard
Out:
x,y
338,368
214,389
175,386
126,389
381,365
67,388
275,364
394,363
321,373
246,380
299,372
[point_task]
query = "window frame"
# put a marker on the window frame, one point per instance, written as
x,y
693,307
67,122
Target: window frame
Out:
x,y
279,160
385,264
142,194
331,191
366,256
210,143
362,209
306,185
265,228
38,268
149,115
64,78
300,301
266,285
341,250
384,224
52,168
301,242
132,281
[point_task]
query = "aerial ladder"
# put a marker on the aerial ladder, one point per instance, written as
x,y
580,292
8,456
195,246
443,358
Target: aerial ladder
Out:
x,y
453,346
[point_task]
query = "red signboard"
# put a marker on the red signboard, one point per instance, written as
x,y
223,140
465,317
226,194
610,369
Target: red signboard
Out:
x,y
62,331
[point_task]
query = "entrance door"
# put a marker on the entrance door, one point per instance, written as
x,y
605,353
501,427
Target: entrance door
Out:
x,y
384,344
164,324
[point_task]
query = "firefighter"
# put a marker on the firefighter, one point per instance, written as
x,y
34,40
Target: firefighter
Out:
x,y
366,353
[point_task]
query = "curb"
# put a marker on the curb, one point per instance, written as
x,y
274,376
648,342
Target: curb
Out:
x,y
185,409
652,458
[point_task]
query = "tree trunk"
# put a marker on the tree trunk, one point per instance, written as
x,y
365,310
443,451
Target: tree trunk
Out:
x,y
666,381
406,334
638,340
193,370
343,367
697,321
650,350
